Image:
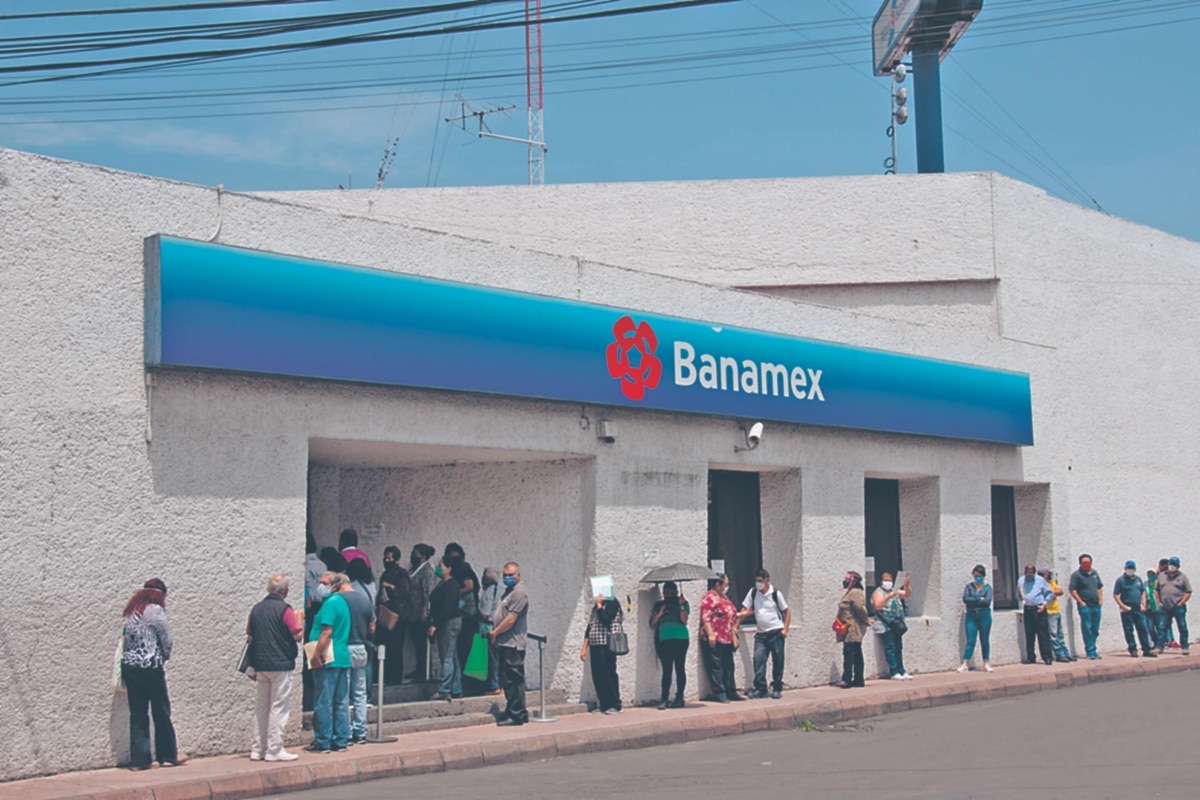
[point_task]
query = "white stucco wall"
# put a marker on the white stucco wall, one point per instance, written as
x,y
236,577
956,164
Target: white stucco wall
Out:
x,y
1098,311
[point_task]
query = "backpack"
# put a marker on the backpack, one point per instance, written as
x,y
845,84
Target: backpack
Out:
x,y
774,596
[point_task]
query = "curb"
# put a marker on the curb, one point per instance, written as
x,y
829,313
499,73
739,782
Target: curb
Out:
x,y
818,705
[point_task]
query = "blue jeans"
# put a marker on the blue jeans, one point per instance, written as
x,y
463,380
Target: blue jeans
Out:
x,y
358,690
1132,620
893,649
1057,643
770,642
1179,615
1089,627
331,707
1162,628
979,624
447,642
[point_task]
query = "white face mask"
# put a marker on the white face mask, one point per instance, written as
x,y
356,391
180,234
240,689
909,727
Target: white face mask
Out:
x,y
1172,569
1131,572
887,586
762,587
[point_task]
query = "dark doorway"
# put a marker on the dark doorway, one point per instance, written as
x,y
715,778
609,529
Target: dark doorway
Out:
x,y
882,522
1004,548
735,527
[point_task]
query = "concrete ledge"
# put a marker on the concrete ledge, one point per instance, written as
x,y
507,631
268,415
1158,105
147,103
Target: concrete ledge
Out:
x,y
234,778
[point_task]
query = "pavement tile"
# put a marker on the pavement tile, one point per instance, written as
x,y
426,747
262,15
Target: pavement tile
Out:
x,y
389,765
500,751
235,787
422,762
575,742
292,778
949,694
669,731
826,713
462,756
862,706
698,728
781,718
331,772
754,719
918,697
538,748
727,724
183,790
142,793
639,736
1064,678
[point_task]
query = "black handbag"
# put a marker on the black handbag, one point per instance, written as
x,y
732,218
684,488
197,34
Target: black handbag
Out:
x,y
898,625
618,642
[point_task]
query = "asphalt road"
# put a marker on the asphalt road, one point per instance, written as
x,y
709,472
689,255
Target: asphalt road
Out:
x,y
1124,739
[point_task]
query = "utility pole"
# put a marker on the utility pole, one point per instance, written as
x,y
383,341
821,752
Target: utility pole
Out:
x,y
533,92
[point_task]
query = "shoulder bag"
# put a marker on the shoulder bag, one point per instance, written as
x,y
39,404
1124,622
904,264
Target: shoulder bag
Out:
x,y
618,642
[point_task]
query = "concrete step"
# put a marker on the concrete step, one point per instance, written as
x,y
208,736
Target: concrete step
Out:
x,y
425,710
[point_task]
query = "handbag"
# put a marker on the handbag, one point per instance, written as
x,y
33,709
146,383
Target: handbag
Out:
x,y
244,664
618,642
877,626
840,627
387,618
477,660
898,625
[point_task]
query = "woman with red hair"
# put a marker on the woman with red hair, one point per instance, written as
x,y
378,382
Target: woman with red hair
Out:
x,y
147,647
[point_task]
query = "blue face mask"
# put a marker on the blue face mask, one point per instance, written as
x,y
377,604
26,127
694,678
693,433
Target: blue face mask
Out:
x,y
510,581
979,579
323,591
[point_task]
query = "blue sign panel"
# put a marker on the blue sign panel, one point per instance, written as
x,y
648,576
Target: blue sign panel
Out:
x,y
215,307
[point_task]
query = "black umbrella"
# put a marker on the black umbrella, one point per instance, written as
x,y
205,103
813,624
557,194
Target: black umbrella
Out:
x,y
678,573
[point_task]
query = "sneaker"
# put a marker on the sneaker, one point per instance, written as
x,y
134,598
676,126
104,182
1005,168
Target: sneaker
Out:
x,y
664,705
315,748
776,695
1150,654
1173,645
987,667
256,756
1133,653
282,755
359,739
899,676
178,761
964,667
612,711
906,676
678,703
755,694
1185,652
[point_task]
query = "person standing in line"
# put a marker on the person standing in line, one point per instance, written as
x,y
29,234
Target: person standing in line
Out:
x,y
489,600
852,621
348,545
362,632
718,639
314,568
977,597
1174,591
1054,619
147,646
604,620
423,581
272,630
445,622
889,608
1161,622
669,619
1152,622
508,637
1087,589
772,620
468,604
1130,594
394,594
1035,595
331,678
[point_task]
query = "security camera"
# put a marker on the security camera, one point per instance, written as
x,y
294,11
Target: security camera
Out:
x,y
754,435
900,73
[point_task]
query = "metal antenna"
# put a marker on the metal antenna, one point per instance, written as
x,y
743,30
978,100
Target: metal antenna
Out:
x,y
533,79
482,130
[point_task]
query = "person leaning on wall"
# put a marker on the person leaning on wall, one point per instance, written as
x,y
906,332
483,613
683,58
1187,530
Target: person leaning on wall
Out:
x,y
850,625
604,620
977,620
669,619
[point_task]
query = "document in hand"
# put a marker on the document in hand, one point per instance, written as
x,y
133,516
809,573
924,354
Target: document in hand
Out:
x,y
311,647
603,585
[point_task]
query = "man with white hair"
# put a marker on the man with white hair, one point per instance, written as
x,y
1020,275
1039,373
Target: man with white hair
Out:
x,y
273,630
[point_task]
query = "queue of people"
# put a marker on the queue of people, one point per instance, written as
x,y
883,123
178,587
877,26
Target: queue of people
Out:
x,y
445,602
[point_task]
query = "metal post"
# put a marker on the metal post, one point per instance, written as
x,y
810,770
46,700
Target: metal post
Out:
x,y
379,738
927,88
541,640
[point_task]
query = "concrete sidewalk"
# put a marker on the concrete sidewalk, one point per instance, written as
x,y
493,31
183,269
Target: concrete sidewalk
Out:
x,y
235,777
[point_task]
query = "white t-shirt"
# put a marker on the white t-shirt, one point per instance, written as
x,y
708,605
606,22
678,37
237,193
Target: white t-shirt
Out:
x,y
767,616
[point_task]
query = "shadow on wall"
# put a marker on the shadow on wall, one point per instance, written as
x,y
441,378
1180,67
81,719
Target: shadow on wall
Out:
x,y
118,727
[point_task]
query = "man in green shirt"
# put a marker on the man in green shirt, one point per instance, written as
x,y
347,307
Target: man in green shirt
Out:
x,y
329,659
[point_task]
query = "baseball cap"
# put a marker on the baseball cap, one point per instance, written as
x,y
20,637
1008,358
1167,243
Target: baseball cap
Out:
x,y
1175,560
1130,565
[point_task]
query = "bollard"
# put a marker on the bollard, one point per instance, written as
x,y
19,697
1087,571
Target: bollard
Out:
x,y
379,738
541,640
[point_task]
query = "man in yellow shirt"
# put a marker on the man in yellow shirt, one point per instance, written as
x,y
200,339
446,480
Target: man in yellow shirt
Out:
x,y
1054,615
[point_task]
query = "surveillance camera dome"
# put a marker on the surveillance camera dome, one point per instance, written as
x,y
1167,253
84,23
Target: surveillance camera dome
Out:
x,y
754,435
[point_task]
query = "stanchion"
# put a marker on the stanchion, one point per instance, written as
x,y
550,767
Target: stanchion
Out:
x,y
541,640
379,738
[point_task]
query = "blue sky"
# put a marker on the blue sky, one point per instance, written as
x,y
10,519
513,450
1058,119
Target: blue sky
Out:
x,y
1102,107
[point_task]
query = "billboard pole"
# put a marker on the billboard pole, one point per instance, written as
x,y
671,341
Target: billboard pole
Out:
x,y
927,95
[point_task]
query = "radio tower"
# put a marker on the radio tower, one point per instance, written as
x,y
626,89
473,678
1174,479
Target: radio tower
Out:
x,y
533,92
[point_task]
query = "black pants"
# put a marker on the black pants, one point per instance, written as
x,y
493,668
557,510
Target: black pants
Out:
x,y
673,655
512,678
419,633
852,664
1037,626
393,664
604,677
718,663
148,688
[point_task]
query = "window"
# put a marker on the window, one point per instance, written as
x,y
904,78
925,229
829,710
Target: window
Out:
x,y
735,528
882,522
1004,548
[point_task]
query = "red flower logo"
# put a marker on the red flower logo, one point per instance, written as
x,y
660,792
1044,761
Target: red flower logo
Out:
x,y
631,358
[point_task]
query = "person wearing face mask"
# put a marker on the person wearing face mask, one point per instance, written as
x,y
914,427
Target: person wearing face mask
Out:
x,y
508,638
331,679
1152,610
1174,591
1129,592
1088,592
1036,595
718,621
772,619
852,621
445,622
669,619
1054,619
422,582
489,600
889,608
273,629
394,595
977,597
